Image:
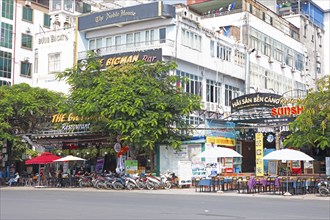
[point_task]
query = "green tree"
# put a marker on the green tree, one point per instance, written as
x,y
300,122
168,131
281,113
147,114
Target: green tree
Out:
x,y
23,111
312,127
139,102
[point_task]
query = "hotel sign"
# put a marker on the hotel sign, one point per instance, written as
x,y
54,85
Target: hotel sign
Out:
x,y
133,13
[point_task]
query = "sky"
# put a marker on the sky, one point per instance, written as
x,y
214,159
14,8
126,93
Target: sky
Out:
x,y
324,4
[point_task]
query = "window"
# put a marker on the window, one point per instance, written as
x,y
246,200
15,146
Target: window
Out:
x,y
213,91
231,92
191,84
5,83
56,5
129,40
117,42
162,35
212,48
137,39
68,5
7,9
6,35
150,37
26,41
191,40
223,52
27,13
5,64
54,62
36,60
46,20
108,44
239,58
26,69
95,44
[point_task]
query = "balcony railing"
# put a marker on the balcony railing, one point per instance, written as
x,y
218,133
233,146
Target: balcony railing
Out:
x,y
131,47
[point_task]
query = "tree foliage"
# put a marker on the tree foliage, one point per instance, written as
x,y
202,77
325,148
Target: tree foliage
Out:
x,y
312,127
139,102
23,110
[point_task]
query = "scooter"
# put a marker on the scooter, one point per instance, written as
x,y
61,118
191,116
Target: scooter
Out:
x,y
154,182
324,188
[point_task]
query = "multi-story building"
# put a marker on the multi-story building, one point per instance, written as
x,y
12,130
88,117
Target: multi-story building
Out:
x,y
20,20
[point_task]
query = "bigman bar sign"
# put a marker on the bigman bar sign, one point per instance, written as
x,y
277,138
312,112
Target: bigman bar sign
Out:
x,y
148,56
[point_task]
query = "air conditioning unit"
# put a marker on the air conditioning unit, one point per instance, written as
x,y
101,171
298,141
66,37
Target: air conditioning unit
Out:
x,y
213,107
293,69
283,65
319,31
270,60
27,3
258,54
318,54
28,30
318,59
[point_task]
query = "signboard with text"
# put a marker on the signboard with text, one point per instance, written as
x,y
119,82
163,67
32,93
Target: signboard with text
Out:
x,y
259,154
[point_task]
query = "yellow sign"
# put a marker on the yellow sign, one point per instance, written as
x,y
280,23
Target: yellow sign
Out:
x,y
221,141
259,154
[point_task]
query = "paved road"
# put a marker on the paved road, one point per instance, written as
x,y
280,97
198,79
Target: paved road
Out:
x,y
173,204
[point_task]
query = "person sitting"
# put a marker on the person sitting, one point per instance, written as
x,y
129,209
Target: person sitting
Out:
x,y
13,180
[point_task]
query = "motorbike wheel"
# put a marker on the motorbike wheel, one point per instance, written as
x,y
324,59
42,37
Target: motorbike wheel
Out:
x,y
150,186
141,185
167,185
99,185
323,191
117,186
109,185
130,186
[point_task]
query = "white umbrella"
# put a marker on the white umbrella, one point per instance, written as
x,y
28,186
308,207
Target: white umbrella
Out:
x,y
217,152
287,154
68,158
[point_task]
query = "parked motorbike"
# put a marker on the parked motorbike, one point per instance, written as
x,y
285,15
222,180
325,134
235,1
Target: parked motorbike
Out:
x,y
154,182
324,187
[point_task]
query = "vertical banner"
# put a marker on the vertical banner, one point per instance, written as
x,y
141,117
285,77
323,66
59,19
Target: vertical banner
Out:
x,y
99,165
259,154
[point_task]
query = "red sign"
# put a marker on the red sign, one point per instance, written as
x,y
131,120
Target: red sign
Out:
x,y
285,111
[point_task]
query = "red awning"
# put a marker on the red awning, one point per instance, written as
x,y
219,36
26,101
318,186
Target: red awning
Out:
x,y
44,158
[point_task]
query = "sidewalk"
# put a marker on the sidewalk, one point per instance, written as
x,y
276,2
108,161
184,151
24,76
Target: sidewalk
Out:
x,y
185,191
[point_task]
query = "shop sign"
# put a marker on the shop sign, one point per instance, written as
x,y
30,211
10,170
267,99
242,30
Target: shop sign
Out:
x,y
259,154
286,111
57,118
148,56
221,141
256,100
76,127
131,166
183,152
53,38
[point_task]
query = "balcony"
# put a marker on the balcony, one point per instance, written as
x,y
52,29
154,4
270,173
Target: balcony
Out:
x,y
166,45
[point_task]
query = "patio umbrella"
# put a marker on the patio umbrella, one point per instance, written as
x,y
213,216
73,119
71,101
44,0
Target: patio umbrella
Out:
x,y
287,154
217,152
44,158
68,158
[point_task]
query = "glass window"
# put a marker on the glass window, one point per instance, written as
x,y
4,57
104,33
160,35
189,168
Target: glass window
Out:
x,y
6,35
212,48
54,62
68,6
5,64
162,35
137,39
27,41
129,40
56,5
26,69
46,20
95,44
108,44
213,91
7,9
191,84
118,42
150,37
231,92
36,60
27,13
